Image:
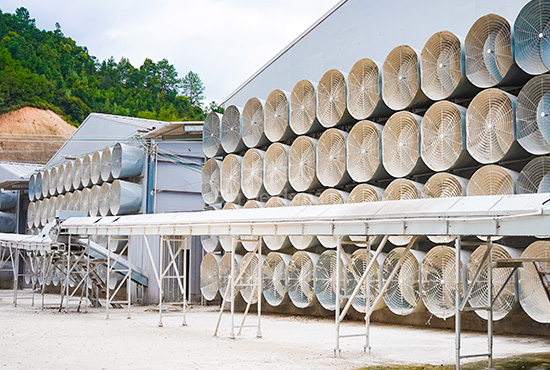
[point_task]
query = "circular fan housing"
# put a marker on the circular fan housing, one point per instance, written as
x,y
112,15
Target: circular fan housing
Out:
x,y
225,275
532,174
94,200
30,214
544,186
50,177
77,174
490,125
356,267
301,164
95,169
331,158
303,118
226,240
38,185
211,181
210,243
86,171
232,130
491,180
444,185
38,213
75,200
441,65
531,37
401,79
251,245
276,169
402,189
276,125
105,199
59,179
68,177
488,50
363,151
401,144
51,209
528,102
303,241
249,278
276,242
253,124
326,280
442,144
364,193
44,211
32,187
300,279
532,296
331,99
85,201
274,272
230,178
480,292
211,130
252,174
105,165
331,196
364,95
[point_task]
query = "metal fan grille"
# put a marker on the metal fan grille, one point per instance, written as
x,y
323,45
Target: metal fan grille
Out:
x,y
532,297
51,208
86,171
443,185
401,189
95,168
49,182
400,143
275,277
363,89
490,125
303,241
531,33
249,278
230,178
331,196
211,181
276,116
68,177
441,133
302,107
30,214
369,289
231,134
325,280
94,201
491,180
480,292
209,275
300,279
441,65
403,293
400,78
276,168
59,179
301,164
363,151
210,243
85,201
252,173
331,158
529,135
211,129
77,173
276,242
363,193
253,123
532,174
105,199
225,275
331,98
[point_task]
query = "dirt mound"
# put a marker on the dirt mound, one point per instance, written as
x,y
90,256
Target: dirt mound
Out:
x,y
32,135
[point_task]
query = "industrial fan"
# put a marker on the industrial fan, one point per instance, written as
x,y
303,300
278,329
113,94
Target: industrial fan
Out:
x,y
77,173
38,186
253,124
331,99
492,180
276,169
125,198
363,151
276,125
252,173
51,209
104,200
364,94
232,129
211,129
250,284
301,164
364,193
303,118
276,242
230,178
400,144
531,176
95,168
68,177
543,114
300,278
326,280
46,175
533,297
37,213
227,241
303,241
331,196
94,200
531,33
402,189
357,265
210,243
544,186
527,120
44,211
101,270
84,202
225,275
211,181
32,187
275,277
126,161
105,165
253,243
30,216
442,145
490,126
331,158
86,171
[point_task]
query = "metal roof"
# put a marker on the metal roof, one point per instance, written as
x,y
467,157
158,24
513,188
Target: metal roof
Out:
x,y
16,175
191,130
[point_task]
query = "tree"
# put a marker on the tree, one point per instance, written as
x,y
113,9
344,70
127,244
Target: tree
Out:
x,y
193,88
214,107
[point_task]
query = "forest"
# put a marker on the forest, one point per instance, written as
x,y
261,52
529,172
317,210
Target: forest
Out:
x,y
46,69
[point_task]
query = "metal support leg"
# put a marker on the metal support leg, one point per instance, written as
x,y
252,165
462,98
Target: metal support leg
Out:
x,y
260,285
129,280
367,302
160,280
184,241
87,272
232,283
337,350
458,281
107,287
490,301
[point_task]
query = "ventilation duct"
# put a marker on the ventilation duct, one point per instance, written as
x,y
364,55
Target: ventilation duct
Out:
x,y
303,105
301,164
401,79
38,186
490,127
404,291
46,191
253,124
402,189
276,116
326,280
95,169
251,245
331,99
530,99
331,158
531,33
210,243
364,193
364,152
480,292
225,274
252,173
276,242
401,144
86,171
274,272
492,180
276,169
331,196
77,174
357,265
226,240
85,201
125,198
8,200
211,181
7,222
532,295
443,133
303,241
365,90
230,178
249,278
300,279
211,129
209,276
105,165
68,177
94,201
232,130
531,176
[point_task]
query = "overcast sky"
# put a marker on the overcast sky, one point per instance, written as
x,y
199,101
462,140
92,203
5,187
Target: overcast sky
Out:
x,y
224,41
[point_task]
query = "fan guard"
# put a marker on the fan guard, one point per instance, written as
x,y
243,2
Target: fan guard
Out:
x,y
401,79
276,242
230,178
303,103
363,152
86,171
30,214
253,124
84,201
491,180
325,280
225,273
249,277
210,243
532,296
331,99
38,213
402,189
60,180
46,175
107,157
275,277
301,164
38,185
104,199
77,173
44,211
331,158
544,186
480,292
364,193
300,279
211,129
95,169
68,177
276,125
227,240
276,169
531,33
488,49
32,187
364,93
528,127
232,130
531,176
252,173
209,276
443,136
94,201
303,241
401,144
331,196
490,126
356,267
51,209
211,181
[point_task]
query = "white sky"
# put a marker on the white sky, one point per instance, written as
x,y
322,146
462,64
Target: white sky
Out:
x,y
224,41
